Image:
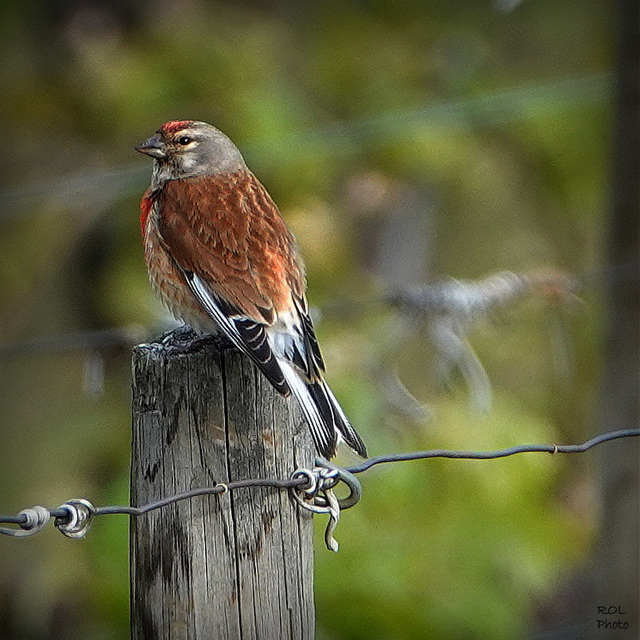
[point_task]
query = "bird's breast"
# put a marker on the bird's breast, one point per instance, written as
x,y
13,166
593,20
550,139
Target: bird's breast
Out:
x,y
167,279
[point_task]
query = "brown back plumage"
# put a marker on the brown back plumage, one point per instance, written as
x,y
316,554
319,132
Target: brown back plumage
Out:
x,y
227,229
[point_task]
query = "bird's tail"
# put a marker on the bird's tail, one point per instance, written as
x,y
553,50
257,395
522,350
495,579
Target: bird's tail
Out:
x,y
328,422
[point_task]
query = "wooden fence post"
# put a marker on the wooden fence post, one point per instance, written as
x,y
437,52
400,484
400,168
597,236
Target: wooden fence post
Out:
x,y
238,565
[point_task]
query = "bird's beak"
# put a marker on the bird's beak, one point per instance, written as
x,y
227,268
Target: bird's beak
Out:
x,y
152,147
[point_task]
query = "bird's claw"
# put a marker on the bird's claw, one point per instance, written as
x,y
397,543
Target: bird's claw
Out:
x,y
184,340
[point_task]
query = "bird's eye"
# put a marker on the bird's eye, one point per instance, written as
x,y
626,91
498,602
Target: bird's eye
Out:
x,y
184,140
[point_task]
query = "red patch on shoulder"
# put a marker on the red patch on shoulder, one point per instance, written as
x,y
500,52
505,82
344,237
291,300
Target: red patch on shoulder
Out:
x,y
175,125
148,200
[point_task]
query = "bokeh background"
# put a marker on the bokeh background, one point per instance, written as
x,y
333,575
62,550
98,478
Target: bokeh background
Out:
x,y
407,142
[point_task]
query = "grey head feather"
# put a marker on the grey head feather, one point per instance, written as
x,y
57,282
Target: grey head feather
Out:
x,y
195,149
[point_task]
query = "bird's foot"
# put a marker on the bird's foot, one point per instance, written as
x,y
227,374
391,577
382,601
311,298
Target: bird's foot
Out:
x,y
184,340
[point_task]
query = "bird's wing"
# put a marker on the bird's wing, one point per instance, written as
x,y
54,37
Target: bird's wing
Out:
x,y
226,236
294,344
310,348
228,231
246,334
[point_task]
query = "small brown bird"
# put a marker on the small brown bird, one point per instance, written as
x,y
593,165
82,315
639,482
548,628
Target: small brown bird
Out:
x,y
222,259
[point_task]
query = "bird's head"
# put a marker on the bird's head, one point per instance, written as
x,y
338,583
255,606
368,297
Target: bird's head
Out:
x,y
188,148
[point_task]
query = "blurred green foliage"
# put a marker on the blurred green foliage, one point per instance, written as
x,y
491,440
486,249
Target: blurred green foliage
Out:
x,y
498,117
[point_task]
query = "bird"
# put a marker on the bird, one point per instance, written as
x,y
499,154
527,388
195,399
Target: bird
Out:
x,y
222,260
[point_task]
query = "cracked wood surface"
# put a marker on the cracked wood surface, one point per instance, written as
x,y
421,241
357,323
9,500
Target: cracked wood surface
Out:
x,y
234,566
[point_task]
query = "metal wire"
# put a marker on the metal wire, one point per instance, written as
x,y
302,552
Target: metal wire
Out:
x,y
492,455
74,517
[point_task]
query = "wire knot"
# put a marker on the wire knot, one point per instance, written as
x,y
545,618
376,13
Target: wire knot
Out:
x,y
316,494
76,517
30,521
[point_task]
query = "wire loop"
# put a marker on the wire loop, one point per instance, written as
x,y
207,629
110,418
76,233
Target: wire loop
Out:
x,y
316,494
341,474
80,513
30,521
311,484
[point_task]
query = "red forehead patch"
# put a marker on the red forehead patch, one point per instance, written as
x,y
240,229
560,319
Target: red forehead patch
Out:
x,y
175,125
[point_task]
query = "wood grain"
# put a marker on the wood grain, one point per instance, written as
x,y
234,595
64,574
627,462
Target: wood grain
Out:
x,y
235,566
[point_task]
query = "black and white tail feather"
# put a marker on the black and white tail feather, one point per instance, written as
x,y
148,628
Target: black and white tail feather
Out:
x,y
287,353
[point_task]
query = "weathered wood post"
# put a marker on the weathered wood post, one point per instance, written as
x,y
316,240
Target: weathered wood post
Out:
x,y
238,565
